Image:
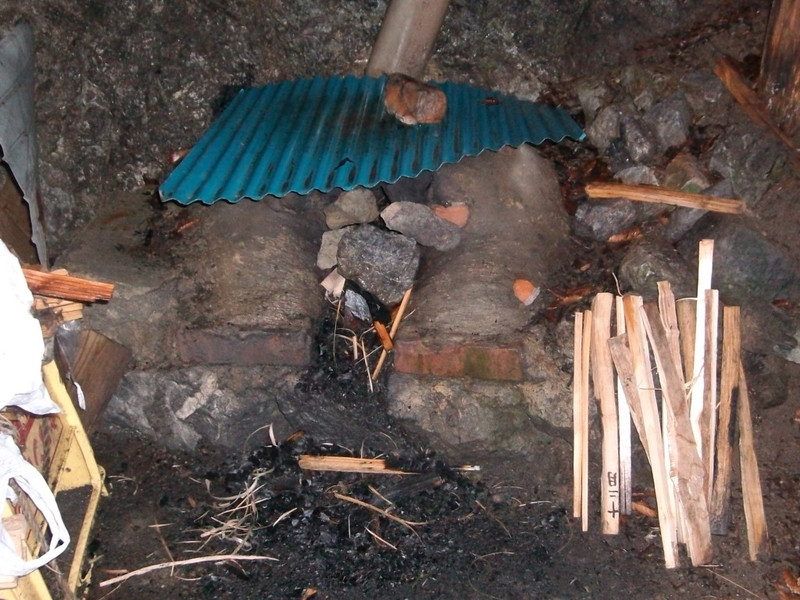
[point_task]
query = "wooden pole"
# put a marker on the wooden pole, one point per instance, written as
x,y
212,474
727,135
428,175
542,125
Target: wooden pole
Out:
x,y
659,195
586,346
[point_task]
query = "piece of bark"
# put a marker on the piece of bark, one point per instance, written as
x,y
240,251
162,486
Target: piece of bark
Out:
x,y
726,423
660,195
757,538
687,470
603,381
67,286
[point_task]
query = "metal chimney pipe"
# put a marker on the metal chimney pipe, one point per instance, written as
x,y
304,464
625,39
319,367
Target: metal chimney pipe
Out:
x,y
406,38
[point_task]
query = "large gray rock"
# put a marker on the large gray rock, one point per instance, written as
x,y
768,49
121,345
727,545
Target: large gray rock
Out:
x,y
382,262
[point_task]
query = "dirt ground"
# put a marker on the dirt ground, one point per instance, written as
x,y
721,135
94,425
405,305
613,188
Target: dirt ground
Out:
x,y
497,533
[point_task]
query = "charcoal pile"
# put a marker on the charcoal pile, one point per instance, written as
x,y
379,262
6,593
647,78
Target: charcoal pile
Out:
x,y
371,530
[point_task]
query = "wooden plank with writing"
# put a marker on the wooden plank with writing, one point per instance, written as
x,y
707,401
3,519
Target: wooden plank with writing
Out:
x,y
603,382
687,472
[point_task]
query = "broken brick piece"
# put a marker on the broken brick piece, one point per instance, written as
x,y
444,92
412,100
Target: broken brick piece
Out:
x,y
489,361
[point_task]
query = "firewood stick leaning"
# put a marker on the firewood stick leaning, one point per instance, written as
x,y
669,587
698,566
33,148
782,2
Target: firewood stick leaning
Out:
x,y
586,346
624,425
577,416
686,467
603,381
395,324
645,388
705,260
728,399
709,424
659,195
757,539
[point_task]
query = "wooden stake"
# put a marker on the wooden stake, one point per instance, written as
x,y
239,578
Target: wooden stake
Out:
x,y
659,195
757,539
728,397
704,263
686,473
586,347
624,413
649,415
603,381
577,416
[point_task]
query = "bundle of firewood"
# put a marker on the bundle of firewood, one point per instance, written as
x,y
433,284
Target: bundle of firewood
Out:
x,y
59,297
684,419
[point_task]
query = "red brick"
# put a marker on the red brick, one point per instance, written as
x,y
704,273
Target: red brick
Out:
x,y
480,361
212,347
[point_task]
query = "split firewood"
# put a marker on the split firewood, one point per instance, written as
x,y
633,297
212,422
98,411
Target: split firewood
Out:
x,y
66,286
686,467
603,381
584,391
660,195
396,318
347,464
726,422
624,424
757,538
651,434
697,403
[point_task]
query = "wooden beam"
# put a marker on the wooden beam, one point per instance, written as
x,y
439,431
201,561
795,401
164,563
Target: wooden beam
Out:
x,y
660,195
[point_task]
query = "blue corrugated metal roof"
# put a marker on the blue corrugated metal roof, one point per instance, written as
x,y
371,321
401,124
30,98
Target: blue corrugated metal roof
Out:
x,y
321,134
